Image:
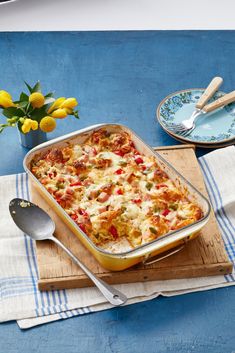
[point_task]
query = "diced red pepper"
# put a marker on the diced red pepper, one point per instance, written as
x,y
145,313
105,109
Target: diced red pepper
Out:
x,y
137,200
143,167
82,212
119,153
74,216
114,232
159,186
82,226
77,183
53,174
61,202
139,160
120,192
166,212
94,151
69,191
119,171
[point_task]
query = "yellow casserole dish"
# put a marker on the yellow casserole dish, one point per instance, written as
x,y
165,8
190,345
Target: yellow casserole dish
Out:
x,y
123,257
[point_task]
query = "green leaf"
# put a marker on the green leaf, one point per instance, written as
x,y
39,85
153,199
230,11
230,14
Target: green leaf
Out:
x,y
49,100
24,97
29,87
3,126
37,87
23,104
75,113
12,111
38,113
19,124
50,94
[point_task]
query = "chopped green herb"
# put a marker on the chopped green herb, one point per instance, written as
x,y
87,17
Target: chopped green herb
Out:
x,y
156,209
149,185
153,230
60,185
173,206
122,163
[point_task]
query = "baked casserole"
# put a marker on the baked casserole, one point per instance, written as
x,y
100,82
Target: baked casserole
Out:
x,y
114,193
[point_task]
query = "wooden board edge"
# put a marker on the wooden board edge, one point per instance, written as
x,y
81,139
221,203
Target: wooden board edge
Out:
x,y
174,147
144,275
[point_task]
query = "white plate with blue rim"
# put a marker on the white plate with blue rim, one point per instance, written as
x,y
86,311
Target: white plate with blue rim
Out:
x,y
213,129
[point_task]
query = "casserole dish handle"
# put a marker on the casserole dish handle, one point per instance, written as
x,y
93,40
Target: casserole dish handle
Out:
x,y
150,261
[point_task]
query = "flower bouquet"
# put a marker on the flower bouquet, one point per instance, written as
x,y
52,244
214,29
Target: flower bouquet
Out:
x,y
35,113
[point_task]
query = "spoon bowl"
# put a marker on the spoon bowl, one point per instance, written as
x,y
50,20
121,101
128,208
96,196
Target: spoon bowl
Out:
x,y
31,219
36,223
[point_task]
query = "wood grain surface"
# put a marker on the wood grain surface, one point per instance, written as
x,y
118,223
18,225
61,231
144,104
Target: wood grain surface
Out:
x,y
203,256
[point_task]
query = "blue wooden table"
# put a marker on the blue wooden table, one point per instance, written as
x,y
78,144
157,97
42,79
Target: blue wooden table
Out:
x,y
121,77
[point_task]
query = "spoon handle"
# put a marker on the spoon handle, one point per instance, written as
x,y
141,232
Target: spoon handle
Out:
x,y
111,294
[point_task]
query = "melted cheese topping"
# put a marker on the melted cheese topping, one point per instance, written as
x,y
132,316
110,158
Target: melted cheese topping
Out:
x,y
113,193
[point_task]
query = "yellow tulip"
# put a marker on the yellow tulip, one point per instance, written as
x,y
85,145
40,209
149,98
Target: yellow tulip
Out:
x,y
5,94
60,113
68,110
34,125
26,127
5,102
47,124
37,99
57,103
69,103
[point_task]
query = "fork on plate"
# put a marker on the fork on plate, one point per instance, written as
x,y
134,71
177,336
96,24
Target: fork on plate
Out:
x,y
187,126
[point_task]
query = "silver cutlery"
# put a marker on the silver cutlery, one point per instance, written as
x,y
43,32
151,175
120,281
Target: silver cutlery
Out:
x,y
187,126
37,224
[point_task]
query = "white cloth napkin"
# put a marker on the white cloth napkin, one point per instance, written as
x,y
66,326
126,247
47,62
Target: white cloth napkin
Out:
x,y
19,297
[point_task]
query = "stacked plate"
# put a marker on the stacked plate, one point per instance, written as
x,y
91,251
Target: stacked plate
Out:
x,y
212,130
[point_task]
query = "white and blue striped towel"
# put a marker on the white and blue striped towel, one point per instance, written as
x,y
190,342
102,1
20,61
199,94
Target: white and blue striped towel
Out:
x,y
19,297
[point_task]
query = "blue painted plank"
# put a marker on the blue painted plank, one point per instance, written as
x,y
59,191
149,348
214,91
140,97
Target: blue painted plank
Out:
x,y
117,76
198,322
121,77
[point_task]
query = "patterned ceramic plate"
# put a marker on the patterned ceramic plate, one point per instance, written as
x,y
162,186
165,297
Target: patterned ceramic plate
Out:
x,y
211,129
207,145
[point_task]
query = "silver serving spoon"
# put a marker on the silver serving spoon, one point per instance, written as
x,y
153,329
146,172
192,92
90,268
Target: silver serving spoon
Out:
x,y
36,223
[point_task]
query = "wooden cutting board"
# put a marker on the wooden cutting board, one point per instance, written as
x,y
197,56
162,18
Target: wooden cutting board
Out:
x,y
203,256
